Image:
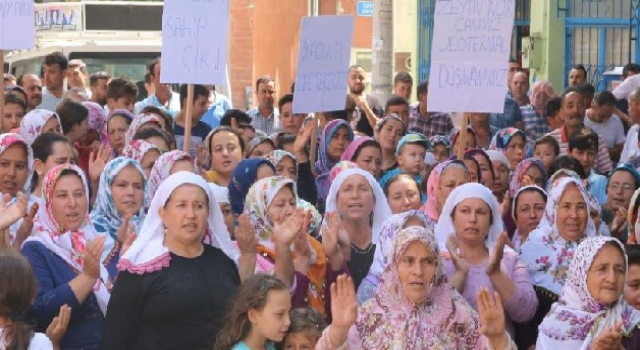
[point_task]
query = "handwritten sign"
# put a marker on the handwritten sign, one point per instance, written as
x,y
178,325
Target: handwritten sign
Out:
x,y
16,24
470,55
194,41
323,63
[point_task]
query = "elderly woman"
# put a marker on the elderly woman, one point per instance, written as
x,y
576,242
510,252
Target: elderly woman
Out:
x,y
358,200
388,233
178,278
120,198
415,308
470,234
592,312
444,178
623,181
550,248
73,264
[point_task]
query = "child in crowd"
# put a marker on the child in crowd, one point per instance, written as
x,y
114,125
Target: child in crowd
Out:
x,y
632,292
260,316
410,154
121,94
305,329
547,150
583,146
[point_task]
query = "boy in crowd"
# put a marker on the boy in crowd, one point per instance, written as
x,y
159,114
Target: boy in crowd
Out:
x,y
547,150
583,146
121,94
199,129
410,154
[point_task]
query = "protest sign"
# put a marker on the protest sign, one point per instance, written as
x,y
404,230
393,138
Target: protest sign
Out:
x,y
194,41
323,63
17,28
470,55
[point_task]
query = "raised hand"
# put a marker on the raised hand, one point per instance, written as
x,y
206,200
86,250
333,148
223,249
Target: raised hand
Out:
x,y
492,318
98,161
506,203
619,220
201,155
125,229
286,229
526,181
58,326
24,231
92,257
493,265
609,339
343,309
300,144
458,262
330,242
10,214
245,235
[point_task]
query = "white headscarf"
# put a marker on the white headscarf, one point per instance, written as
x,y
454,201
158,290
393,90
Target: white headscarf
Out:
x,y
33,122
381,209
148,252
497,156
444,227
545,253
577,318
221,193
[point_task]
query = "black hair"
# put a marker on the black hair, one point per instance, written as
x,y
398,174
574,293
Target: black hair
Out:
x,y
148,133
422,87
402,77
396,101
265,79
152,66
471,158
568,91
229,130
583,139
604,98
43,148
368,143
284,139
56,58
242,118
71,113
553,106
287,98
14,99
147,78
198,91
581,68
397,177
121,87
474,151
633,254
586,89
569,163
338,114
630,68
548,140
530,189
513,60
95,77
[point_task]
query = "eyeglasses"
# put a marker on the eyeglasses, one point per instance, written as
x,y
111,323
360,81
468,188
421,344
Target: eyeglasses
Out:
x,y
625,187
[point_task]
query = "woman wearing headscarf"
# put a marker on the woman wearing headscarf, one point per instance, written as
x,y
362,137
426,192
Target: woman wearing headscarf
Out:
x,y
359,201
245,175
168,164
39,121
473,242
484,162
420,310
141,122
441,149
366,152
444,178
286,250
471,141
592,312
528,172
501,174
384,248
550,248
97,122
118,123
120,198
143,152
178,277
73,264
512,143
389,131
527,211
336,137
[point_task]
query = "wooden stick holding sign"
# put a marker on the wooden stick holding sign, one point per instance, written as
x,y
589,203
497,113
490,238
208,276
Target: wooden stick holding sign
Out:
x,y
188,119
2,94
314,140
462,138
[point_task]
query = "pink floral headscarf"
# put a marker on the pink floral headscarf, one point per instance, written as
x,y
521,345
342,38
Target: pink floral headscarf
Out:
x,y
98,121
162,169
429,208
9,139
33,122
137,149
137,122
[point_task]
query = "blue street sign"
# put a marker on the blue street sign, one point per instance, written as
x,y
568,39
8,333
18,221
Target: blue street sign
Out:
x,y
365,8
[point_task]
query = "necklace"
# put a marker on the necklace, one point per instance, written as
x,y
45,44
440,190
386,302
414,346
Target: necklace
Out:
x,y
362,251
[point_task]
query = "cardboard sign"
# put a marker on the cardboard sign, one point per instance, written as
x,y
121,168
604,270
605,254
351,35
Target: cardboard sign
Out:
x,y
470,55
323,63
194,41
17,30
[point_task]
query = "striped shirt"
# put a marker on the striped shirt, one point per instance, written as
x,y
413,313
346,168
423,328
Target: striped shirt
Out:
x,y
535,125
269,124
603,162
434,124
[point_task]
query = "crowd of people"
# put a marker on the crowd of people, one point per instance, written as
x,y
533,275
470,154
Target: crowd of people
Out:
x,y
379,226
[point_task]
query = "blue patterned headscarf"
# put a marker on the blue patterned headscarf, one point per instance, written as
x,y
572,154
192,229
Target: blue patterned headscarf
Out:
x,y
105,216
324,163
244,176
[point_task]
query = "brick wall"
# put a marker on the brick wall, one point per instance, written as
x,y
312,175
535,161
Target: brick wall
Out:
x,y
240,50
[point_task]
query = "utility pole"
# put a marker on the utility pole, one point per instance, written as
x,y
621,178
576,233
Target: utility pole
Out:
x,y
382,50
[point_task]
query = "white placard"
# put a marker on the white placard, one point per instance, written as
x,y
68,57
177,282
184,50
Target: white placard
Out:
x,y
323,63
17,24
194,41
470,55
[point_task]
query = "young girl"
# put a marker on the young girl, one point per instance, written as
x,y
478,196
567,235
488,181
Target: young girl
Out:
x,y
17,291
305,329
260,315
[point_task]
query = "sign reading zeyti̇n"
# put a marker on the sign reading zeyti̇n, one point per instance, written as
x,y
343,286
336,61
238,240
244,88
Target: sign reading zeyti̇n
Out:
x,y
16,24
323,63
470,55
194,41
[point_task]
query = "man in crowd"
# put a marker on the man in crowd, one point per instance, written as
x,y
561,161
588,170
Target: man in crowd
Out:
x,y
241,122
289,121
520,88
630,149
199,130
265,117
32,85
400,106
534,116
514,67
163,97
98,83
427,123
573,111
601,118
403,85
366,108
510,117
77,75
55,70
121,94
577,75
218,104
